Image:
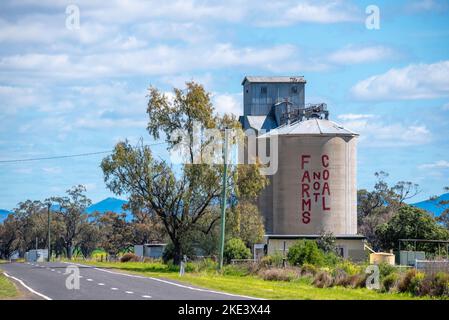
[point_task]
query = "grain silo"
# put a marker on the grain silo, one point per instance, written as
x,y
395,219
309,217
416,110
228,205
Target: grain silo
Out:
x,y
314,189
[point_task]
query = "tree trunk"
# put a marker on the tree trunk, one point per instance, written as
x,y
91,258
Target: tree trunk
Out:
x,y
177,253
69,251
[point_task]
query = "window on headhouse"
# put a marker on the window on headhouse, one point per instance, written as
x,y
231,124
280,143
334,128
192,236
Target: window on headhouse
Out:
x,y
263,90
294,89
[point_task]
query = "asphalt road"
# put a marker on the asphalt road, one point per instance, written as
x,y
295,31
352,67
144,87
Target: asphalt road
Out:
x,y
48,281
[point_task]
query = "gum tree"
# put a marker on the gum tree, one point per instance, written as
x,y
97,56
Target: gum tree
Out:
x,y
180,197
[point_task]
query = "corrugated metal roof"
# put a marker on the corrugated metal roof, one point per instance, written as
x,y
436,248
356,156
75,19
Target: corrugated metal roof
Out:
x,y
261,122
275,79
312,127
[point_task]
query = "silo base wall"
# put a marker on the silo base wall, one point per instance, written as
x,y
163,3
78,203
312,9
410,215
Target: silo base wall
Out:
x,y
349,248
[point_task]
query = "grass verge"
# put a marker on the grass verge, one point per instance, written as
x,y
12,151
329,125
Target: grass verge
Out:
x,y
251,285
7,288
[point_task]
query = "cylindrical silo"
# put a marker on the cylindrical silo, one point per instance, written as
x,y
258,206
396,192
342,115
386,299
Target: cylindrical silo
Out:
x,y
314,189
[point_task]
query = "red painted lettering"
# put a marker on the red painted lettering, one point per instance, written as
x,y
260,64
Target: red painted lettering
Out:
x,y
306,217
306,176
305,190
304,160
325,160
306,205
324,205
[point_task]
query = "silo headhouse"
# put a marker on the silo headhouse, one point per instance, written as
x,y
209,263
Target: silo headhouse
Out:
x,y
314,188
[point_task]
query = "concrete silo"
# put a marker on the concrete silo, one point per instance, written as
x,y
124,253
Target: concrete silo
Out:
x,y
314,188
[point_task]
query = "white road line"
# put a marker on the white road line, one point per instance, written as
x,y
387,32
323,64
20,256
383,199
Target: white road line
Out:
x,y
129,292
90,280
53,270
114,289
27,287
101,284
146,297
169,282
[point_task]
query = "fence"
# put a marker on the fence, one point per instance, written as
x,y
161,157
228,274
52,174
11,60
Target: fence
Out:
x,y
432,266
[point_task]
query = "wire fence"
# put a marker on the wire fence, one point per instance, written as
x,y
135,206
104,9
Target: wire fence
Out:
x,y
432,266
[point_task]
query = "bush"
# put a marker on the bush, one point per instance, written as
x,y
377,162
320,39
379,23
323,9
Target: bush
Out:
x,y
440,285
129,257
341,278
331,259
235,249
274,260
390,282
411,282
386,269
349,267
304,251
278,274
235,270
308,270
323,280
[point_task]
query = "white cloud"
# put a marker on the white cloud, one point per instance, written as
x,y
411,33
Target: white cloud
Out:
x,y
353,116
440,164
379,134
52,170
325,12
228,103
416,81
427,5
353,55
158,60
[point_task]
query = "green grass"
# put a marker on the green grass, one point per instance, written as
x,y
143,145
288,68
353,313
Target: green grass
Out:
x,y
252,285
7,288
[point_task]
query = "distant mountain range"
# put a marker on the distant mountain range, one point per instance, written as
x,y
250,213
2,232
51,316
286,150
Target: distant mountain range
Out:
x,y
434,206
3,214
115,205
108,204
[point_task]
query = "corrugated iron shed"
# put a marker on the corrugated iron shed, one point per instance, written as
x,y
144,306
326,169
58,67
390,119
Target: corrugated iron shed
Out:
x,y
277,79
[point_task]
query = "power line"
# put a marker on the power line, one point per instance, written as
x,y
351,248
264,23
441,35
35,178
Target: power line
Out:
x,y
66,156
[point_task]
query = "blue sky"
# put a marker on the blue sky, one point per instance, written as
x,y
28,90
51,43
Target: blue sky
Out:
x,y
79,90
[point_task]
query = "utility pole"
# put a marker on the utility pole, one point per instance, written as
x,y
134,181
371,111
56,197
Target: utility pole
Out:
x,y
48,236
223,198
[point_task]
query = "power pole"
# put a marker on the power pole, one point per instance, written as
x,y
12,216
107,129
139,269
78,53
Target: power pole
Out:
x,y
223,197
48,236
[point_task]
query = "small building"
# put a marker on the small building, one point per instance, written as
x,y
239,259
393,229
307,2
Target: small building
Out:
x,y
150,250
348,246
37,255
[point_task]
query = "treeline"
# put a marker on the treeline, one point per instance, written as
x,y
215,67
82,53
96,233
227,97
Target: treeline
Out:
x,y
384,217
73,231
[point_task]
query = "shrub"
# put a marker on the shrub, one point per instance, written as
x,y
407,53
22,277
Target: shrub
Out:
x,y
341,278
278,274
358,280
308,270
129,257
235,270
349,267
235,249
274,260
323,280
390,282
411,282
304,251
331,259
440,285
386,269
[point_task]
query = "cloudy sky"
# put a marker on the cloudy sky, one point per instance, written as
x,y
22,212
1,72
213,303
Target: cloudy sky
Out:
x,y
68,90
